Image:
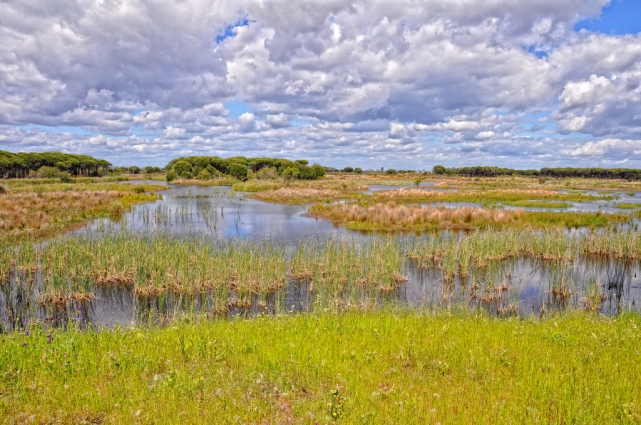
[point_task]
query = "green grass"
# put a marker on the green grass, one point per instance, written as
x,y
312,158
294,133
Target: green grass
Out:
x,y
537,204
628,206
354,368
257,186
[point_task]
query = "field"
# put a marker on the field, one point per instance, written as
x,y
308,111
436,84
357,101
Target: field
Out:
x,y
386,367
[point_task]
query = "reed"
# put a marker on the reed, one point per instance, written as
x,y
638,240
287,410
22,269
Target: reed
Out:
x,y
391,217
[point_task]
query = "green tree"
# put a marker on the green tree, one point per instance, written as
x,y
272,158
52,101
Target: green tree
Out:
x,y
171,176
438,169
182,166
238,171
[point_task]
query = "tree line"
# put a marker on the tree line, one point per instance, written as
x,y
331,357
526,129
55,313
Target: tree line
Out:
x,y
597,173
239,167
26,164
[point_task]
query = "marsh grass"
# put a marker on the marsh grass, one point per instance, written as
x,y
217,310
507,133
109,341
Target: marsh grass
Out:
x,y
392,217
387,367
628,206
42,211
537,204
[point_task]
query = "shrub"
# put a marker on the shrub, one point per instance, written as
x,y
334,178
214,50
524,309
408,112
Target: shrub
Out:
x,y
181,167
347,170
48,172
391,171
438,169
186,175
267,173
238,171
65,177
290,173
2,190
358,170
307,173
134,170
319,169
171,176
204,175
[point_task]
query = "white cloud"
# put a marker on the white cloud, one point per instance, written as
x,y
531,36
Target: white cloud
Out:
x,y
334,80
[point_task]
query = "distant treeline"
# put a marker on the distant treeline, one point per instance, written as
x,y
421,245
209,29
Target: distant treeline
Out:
x,y
597,173
25,164
239,167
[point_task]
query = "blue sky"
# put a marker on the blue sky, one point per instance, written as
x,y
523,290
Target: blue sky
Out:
x,y
390,83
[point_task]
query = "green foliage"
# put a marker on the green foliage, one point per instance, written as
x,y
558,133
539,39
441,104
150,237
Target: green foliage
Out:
x,y
134,170
203,175
358,170
19,165
267,173
238,171
347,170
438,169
186,175
171,176
319,170
302,161
390,171
181,167
290,173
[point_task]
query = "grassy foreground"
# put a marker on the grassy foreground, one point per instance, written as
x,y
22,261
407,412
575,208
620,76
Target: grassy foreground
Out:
x,y
353,368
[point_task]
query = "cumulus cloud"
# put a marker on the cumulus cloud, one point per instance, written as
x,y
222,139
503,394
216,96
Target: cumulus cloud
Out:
x,y
337,81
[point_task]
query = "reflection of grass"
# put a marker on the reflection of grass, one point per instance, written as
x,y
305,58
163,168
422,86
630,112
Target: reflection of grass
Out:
x,y
391,217
628,206
443,368
537,204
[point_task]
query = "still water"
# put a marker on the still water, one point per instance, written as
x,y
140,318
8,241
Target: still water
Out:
x,y
520,286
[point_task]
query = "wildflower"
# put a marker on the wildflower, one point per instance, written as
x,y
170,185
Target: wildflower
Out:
x,y
24,344
50,338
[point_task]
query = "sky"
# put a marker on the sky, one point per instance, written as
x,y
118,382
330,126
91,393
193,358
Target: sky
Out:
x,y
396,83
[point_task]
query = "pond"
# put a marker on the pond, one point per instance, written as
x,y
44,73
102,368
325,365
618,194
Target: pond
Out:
x,y
517,286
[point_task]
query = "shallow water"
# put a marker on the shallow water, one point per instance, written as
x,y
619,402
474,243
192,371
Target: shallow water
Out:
x,y
520,286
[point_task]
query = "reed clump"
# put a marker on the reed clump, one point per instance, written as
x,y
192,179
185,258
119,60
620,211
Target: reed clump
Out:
x,y
291,195
486,196
391,216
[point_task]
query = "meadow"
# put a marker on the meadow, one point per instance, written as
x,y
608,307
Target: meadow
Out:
x,y
374,368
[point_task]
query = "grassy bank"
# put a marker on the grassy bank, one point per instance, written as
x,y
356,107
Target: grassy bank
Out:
x,y
45,210
320,369
391,217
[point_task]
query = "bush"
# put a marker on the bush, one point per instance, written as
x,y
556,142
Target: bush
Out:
x,y
267,173
237,171
307,173
181,167
302,161
48,172
319,169
171,176
204,175
438,169
358,170
290,173
186,175
2,190
391,171
347,170
65,177
134,170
